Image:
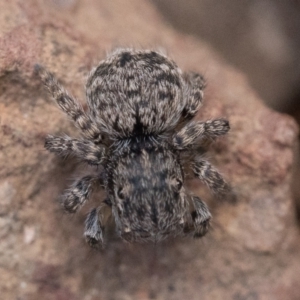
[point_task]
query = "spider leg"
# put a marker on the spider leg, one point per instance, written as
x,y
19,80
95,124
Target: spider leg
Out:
x,y
79,192
211,177
201,217
193,94
194,130
85,150
69,105
197,221
95,226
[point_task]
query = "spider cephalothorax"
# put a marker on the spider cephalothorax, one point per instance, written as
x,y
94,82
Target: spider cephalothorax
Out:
x,y
137,126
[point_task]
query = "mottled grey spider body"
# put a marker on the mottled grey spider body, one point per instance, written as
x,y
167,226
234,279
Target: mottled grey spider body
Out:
x,y
137,126
135,93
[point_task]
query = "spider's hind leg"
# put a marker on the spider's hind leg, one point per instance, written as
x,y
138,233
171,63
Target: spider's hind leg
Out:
x,y
193,94
69,104
83,149
190,134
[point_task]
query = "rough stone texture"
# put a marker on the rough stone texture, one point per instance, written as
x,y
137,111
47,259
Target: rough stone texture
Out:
x,y
252,252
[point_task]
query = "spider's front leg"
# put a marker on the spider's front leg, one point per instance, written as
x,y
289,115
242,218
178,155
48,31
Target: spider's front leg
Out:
x,y
79,192
201,217
83,149
95,226
197,221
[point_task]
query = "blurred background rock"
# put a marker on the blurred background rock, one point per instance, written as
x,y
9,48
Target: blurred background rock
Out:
x,y
260,37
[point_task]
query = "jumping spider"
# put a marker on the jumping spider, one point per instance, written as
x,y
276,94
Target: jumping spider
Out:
x,y
138,128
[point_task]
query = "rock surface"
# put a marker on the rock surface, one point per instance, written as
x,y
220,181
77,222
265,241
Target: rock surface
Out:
x,y
252,252
271,63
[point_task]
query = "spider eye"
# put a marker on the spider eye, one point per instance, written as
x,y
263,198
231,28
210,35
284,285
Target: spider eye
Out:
x,y
120,193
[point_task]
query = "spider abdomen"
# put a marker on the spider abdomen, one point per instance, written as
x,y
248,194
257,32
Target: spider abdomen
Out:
x,y
135,93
